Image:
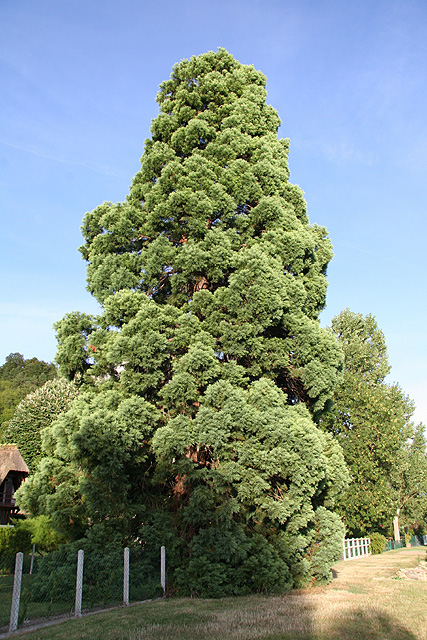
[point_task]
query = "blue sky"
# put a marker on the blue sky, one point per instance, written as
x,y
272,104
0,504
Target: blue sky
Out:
x,y
349,80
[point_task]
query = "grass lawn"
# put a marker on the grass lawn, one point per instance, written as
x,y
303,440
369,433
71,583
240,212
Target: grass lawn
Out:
x,y
364,602
6,586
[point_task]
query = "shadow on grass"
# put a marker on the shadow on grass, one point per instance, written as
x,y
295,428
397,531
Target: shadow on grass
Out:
x,y
289,618
292,618
369,624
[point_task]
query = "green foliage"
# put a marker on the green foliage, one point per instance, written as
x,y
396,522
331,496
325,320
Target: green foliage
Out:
x,y
41,531
36,412
106,435
25,533
377,542
55,574
372,421
409,480
72,332
327,539
202,379
226,562
213,227
18,377
364,346
14,539
32,372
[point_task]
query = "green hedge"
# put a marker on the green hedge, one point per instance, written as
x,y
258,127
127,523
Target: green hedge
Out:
x,y
378,542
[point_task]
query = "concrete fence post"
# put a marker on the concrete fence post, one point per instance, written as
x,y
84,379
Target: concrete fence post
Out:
x,y
126,577
79,583
32,558
163,569
16,595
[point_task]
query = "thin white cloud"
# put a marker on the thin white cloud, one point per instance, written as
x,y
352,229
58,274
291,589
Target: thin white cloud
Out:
x,y
338,149
15,311
106,171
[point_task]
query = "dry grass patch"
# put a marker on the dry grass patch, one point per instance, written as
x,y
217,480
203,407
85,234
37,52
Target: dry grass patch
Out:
x,y
364,602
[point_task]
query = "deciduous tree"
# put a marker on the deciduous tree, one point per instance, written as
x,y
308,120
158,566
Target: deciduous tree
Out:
x,y
372,422
18,377
36,412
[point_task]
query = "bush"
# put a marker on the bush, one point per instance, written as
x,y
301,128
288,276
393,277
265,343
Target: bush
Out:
x,y
230,561
14,539
54,577
24,533
378,542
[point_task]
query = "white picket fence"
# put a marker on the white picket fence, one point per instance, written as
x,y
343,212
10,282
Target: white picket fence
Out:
x,y
356,548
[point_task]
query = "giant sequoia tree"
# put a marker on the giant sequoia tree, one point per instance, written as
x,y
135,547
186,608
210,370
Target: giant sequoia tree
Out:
x,y
204,376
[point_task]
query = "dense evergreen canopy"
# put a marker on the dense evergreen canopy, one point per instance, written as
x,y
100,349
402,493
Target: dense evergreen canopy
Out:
x,y
204,376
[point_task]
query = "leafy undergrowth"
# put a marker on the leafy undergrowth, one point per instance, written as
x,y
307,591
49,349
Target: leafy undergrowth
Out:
x,y
365,601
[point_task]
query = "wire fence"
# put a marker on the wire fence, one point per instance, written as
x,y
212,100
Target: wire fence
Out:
x,y
394,544
7,566
418,541
68,582
415,541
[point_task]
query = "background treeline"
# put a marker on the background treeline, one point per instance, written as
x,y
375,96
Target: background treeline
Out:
x,y
17,378
383,448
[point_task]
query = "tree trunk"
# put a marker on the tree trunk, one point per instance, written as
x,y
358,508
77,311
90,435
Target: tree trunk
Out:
x,y
396,526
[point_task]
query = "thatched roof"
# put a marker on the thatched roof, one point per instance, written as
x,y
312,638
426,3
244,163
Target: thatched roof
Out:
x,y
11,460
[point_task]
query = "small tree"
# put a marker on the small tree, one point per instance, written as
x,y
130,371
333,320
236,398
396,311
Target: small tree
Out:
x,y
26,532
35,413
18,377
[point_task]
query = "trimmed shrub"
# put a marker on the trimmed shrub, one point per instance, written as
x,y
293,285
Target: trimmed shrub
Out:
x,y
377,542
